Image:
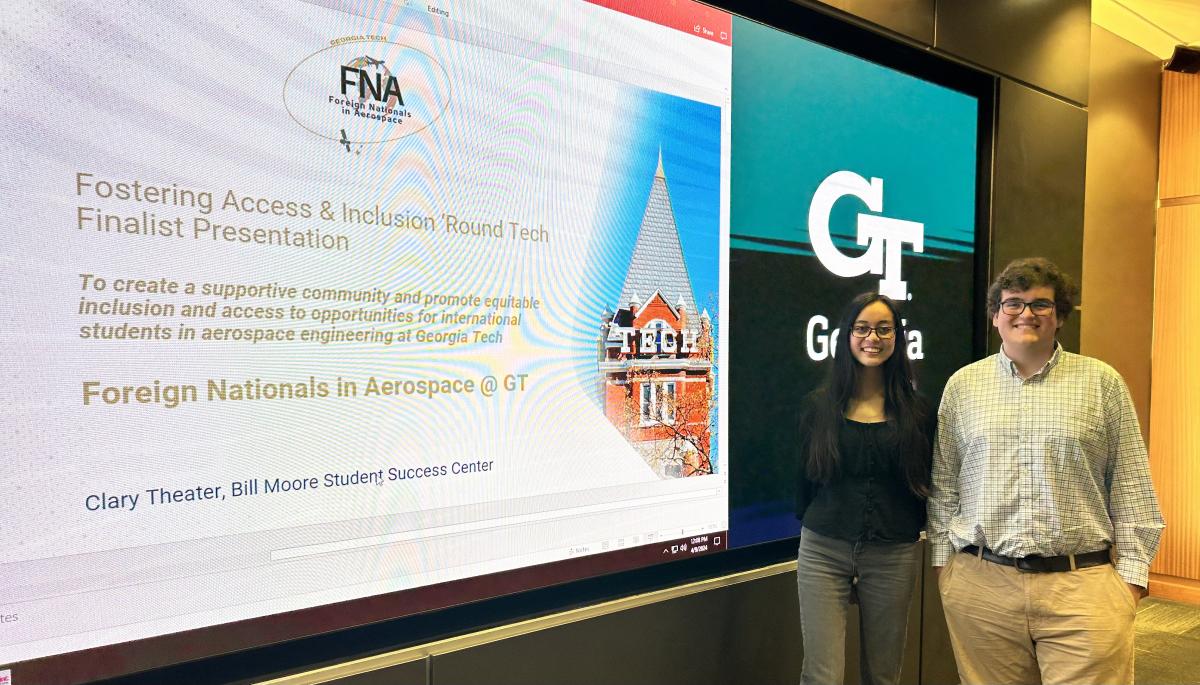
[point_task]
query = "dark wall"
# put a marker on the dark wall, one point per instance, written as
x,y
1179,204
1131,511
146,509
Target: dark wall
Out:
x,y
743,633
749,632
1037,186
1042,45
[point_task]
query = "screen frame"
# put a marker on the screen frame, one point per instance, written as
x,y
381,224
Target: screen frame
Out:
x,y
301,640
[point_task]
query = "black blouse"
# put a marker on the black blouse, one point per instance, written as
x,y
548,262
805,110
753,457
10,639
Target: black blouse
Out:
x,y
868,499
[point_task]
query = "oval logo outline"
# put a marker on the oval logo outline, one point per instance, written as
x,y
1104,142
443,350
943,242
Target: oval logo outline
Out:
x,y
442,105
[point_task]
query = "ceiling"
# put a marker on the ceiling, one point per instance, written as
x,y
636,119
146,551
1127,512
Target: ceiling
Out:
x,y
1156,26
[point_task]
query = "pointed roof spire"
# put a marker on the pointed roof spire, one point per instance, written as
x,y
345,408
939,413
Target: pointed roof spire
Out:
x,y
657,263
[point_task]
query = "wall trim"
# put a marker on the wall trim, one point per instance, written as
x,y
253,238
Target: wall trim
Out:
x,y
1179,201
1175,588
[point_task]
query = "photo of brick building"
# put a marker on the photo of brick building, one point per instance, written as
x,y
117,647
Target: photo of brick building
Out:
x,y
656,351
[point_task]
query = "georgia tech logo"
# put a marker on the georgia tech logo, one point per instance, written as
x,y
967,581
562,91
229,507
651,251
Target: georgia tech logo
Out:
x,y
884,237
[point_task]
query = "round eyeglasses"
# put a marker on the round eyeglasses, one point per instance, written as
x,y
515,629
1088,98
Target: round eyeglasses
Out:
x,y
883,330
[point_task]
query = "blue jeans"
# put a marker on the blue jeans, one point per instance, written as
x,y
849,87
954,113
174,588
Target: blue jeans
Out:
x,y
884,576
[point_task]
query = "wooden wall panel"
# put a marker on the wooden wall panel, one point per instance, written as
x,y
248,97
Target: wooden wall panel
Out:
x,y
1175,365
1175,393
1179,170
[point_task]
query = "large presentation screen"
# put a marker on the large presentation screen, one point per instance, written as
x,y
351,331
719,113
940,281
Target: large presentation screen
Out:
x,y
313,302
323,313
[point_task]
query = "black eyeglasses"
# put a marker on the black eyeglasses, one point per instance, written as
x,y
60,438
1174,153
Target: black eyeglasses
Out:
x,y
1016,307
883,330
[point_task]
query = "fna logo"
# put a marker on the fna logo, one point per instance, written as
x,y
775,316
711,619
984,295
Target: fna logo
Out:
x,y
364,90
884,238
371,76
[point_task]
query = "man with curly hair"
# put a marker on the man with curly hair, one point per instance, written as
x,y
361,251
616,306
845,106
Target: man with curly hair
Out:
x,y
1043,518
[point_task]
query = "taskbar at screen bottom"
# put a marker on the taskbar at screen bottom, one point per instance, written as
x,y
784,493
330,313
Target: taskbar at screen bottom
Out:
x,y
124,659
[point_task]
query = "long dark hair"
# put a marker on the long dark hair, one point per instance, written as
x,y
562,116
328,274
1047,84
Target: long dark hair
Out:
x,y
907,412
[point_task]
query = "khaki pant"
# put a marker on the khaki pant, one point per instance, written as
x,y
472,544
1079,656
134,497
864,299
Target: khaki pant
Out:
x,y
1009,626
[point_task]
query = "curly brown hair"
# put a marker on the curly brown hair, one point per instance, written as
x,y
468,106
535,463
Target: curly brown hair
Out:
x,y
1032,272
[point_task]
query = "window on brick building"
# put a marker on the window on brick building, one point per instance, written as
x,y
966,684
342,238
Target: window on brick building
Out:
x,y
658,402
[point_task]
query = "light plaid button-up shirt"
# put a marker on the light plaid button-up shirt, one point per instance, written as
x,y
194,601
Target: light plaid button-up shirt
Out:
x,y
1049,465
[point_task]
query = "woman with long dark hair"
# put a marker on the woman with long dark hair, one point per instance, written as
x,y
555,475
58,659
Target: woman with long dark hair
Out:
x,y
864,463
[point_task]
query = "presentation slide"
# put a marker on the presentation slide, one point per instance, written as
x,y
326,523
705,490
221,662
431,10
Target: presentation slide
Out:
x,y
308,302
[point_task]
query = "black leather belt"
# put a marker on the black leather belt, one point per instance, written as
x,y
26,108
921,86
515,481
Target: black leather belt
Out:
x,y
1038,564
